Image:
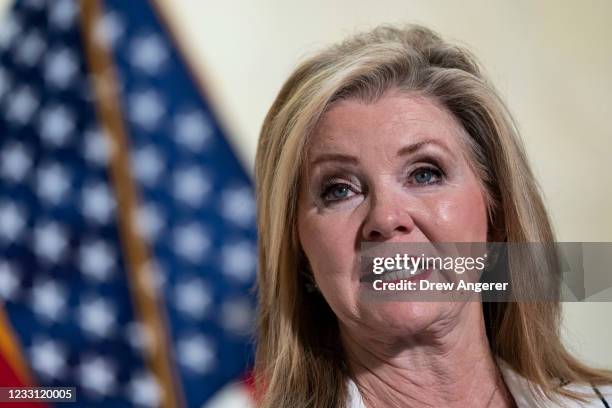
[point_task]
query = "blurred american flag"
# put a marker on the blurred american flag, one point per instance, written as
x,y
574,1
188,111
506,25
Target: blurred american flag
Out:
x,y
127,223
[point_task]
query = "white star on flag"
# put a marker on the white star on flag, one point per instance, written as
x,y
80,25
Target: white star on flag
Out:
x,y
146,109
144,390
237,316
30,48
50,241
191,242
5,82
53,182
97,376
239,260
60,67
150,221
109,29
9,30
148,53
56,125
12,221
9,281
191,185
16,162
192,297
24,103
97,147
98,203
196,353
63,13
48,358
147,165
97,259
192,129
97,317
238,206
48,300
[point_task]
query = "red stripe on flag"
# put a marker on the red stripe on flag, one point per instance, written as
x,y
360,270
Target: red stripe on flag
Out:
x,y
9,378
248,379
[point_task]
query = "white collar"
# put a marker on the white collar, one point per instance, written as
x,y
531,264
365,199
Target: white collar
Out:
x,y
519,387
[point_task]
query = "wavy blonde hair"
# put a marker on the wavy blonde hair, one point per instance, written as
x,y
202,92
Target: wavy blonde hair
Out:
x,y
300,361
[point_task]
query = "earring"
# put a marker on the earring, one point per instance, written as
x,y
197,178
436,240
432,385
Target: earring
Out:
x,y
311,287
310,284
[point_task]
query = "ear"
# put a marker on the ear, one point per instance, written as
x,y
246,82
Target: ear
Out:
x,y
496,230
305,271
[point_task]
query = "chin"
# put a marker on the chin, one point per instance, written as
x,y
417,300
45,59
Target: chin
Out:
x,y
404,318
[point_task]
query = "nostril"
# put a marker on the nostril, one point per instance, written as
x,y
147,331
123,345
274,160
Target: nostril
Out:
x,y
375,235
385,223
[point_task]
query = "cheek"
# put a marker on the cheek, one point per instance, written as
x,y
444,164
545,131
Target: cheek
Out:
x,y
328,242
461,216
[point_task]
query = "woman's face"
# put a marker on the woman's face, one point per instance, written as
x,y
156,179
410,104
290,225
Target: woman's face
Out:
x,y
395,170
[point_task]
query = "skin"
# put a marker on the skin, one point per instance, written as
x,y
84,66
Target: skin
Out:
x,y
357,187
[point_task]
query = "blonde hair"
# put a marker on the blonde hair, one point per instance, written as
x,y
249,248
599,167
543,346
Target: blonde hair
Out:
x,y
300,360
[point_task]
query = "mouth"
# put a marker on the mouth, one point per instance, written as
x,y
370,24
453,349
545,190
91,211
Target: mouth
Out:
x,y
397,275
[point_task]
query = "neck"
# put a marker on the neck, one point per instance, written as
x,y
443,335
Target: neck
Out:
x,y
449,365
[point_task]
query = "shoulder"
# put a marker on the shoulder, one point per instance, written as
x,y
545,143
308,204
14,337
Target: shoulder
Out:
x,y
601,394
354,399
521,390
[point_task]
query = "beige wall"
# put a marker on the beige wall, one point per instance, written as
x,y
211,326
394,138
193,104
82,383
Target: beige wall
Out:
x,y
551,60
4,4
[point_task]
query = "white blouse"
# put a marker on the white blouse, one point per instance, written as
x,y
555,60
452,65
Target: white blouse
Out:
x,y
519,388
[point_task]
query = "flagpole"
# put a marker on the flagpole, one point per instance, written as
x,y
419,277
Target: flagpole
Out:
x,y
146,298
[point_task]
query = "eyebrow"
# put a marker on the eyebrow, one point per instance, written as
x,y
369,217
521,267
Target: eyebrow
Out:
x,y
334,157
406,150
413,148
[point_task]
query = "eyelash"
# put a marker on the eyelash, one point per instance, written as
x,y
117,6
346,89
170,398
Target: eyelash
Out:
x,y
330,185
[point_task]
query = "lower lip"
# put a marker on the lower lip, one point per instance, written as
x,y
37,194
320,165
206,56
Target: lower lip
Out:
x,y
416,278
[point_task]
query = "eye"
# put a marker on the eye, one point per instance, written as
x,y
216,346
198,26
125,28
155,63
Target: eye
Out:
x,y
337,192
426,175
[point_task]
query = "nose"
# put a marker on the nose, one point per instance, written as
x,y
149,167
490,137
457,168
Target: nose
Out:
x,y
388,217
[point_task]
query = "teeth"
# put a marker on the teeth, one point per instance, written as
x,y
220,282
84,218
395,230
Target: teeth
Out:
x,y
400,274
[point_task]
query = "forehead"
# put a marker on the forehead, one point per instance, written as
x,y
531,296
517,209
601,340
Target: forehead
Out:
x,y
390,122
